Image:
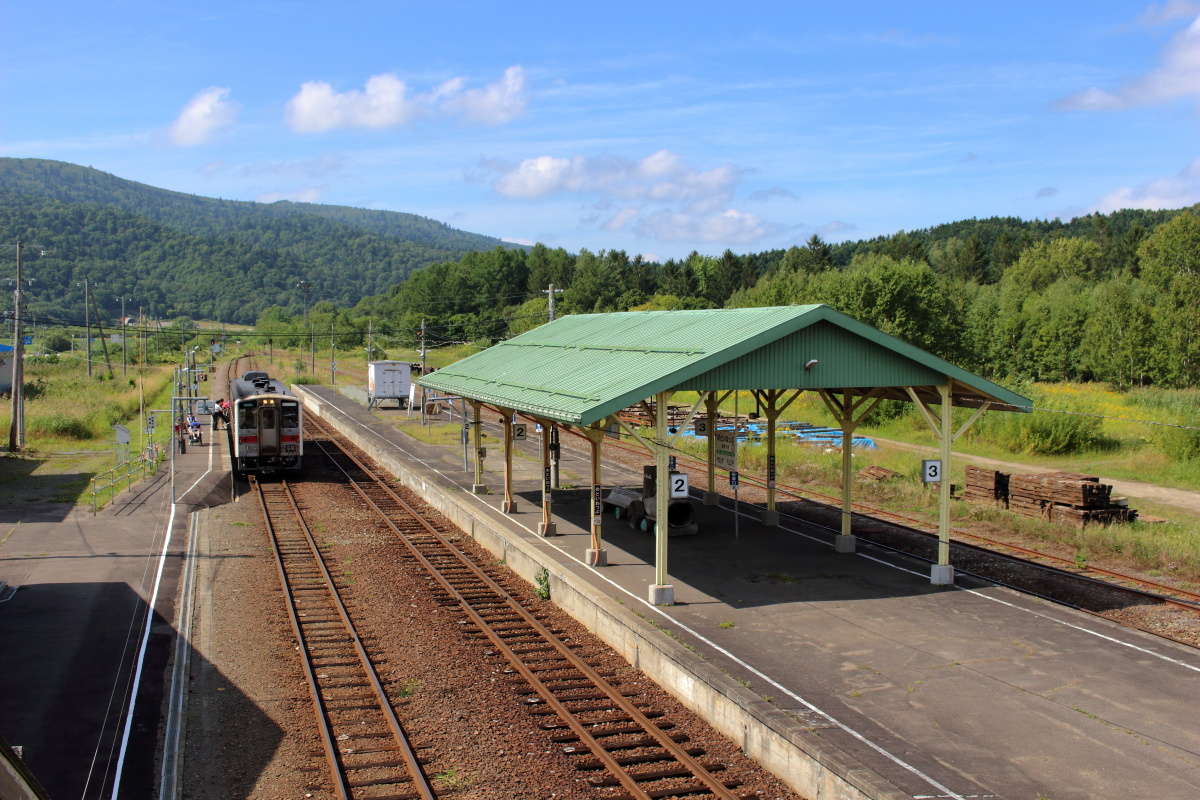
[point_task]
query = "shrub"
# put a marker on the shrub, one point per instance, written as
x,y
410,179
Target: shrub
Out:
x,y
1180,444
1043,433
61,425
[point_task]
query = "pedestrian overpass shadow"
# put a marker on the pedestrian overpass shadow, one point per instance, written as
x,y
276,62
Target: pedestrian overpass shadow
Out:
x,y
38,498
64,697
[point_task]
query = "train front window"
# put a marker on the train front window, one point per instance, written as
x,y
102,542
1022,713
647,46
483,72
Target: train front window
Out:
x,y
266,417
246,415
289,414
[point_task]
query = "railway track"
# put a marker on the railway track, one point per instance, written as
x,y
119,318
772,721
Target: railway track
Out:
x,y
369,754
628,748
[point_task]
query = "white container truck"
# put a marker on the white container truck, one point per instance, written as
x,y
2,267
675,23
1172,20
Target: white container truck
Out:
x,y
389,380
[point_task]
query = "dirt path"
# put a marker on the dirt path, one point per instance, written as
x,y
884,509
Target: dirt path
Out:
x,y
1180,498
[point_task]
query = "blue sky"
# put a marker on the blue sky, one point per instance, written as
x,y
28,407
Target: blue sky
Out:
x,y
657,128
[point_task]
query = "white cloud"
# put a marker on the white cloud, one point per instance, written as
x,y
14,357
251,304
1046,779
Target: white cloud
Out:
x,y
621,219
309,195
661,177
659,196
494,104
204,115
382,103
1175,191
1177,76
729,226
386,102
526,242
1171,10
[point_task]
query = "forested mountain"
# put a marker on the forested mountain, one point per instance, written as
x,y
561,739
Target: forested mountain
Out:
x,y
180,254
1111,297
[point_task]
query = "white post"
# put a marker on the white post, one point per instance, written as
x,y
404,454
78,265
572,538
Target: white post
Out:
x,y
661,592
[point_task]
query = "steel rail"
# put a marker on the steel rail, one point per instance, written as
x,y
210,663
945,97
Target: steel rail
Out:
x,y
416,776
1163,593
569,718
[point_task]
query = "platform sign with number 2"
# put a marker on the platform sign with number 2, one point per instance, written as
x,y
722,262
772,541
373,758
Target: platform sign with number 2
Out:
x,y
679,484
931,470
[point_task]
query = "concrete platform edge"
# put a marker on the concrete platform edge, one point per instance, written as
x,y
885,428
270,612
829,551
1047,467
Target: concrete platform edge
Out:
x,y
812,767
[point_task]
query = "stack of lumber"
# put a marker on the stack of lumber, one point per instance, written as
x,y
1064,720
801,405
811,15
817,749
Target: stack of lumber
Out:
x,y
878,473
637,414
986,486
1066,497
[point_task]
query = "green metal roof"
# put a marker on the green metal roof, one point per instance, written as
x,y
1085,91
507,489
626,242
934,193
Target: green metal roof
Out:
x,y
581,368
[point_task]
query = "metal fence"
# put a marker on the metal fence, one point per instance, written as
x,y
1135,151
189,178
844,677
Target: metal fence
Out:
x,y
108,484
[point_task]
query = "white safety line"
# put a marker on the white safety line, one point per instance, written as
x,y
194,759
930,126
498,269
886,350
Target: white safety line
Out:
x,y
844,727
141,659
169,775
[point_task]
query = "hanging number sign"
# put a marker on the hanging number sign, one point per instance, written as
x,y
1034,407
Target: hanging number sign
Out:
x,y
701,426
519,431
679,484
597,508
931,470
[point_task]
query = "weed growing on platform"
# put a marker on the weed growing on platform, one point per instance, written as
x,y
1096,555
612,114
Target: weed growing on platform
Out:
x,y
542,580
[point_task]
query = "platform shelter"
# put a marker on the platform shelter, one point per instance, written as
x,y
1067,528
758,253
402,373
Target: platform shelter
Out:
x,y
580,371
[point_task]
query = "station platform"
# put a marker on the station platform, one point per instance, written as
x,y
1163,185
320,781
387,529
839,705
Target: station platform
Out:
x,y
964,691
74,630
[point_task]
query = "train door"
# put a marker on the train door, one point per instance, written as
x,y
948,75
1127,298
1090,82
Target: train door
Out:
x,y
268,431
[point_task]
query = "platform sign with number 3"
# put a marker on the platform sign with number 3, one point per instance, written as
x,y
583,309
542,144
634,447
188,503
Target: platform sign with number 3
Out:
x,y
931,470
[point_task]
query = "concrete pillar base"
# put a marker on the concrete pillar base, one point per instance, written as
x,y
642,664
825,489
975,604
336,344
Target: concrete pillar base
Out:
x,y
479,488
941,574
770,518
547,529
712,498
843,543
596,558
509,506
662,595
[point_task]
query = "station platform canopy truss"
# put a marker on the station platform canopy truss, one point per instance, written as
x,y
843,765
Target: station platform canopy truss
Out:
x,y
581,370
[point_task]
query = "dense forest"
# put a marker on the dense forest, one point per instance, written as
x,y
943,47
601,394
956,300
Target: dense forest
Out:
x,y
175,254
1103,297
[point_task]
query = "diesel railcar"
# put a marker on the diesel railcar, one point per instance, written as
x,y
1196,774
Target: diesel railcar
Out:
x,y
266,425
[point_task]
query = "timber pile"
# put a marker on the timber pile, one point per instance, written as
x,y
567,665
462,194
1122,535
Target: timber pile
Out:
x,y
636,414
986,486
878,473
1068,497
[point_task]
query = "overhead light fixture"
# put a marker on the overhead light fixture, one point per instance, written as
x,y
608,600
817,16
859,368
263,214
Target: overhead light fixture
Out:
x,y
811,363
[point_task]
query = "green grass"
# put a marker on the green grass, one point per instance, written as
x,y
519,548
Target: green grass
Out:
x,y
69,419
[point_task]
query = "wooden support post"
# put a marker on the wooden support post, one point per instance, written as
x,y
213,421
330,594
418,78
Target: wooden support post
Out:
x,y
509,506
845,540
661,592
546,527
478,486
711,497
596,555
770,516
943,572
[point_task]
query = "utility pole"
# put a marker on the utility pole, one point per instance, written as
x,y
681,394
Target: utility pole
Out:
x,y
16,429
124,360
332,356
370,339
551,292
87,316
306,288
422,370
